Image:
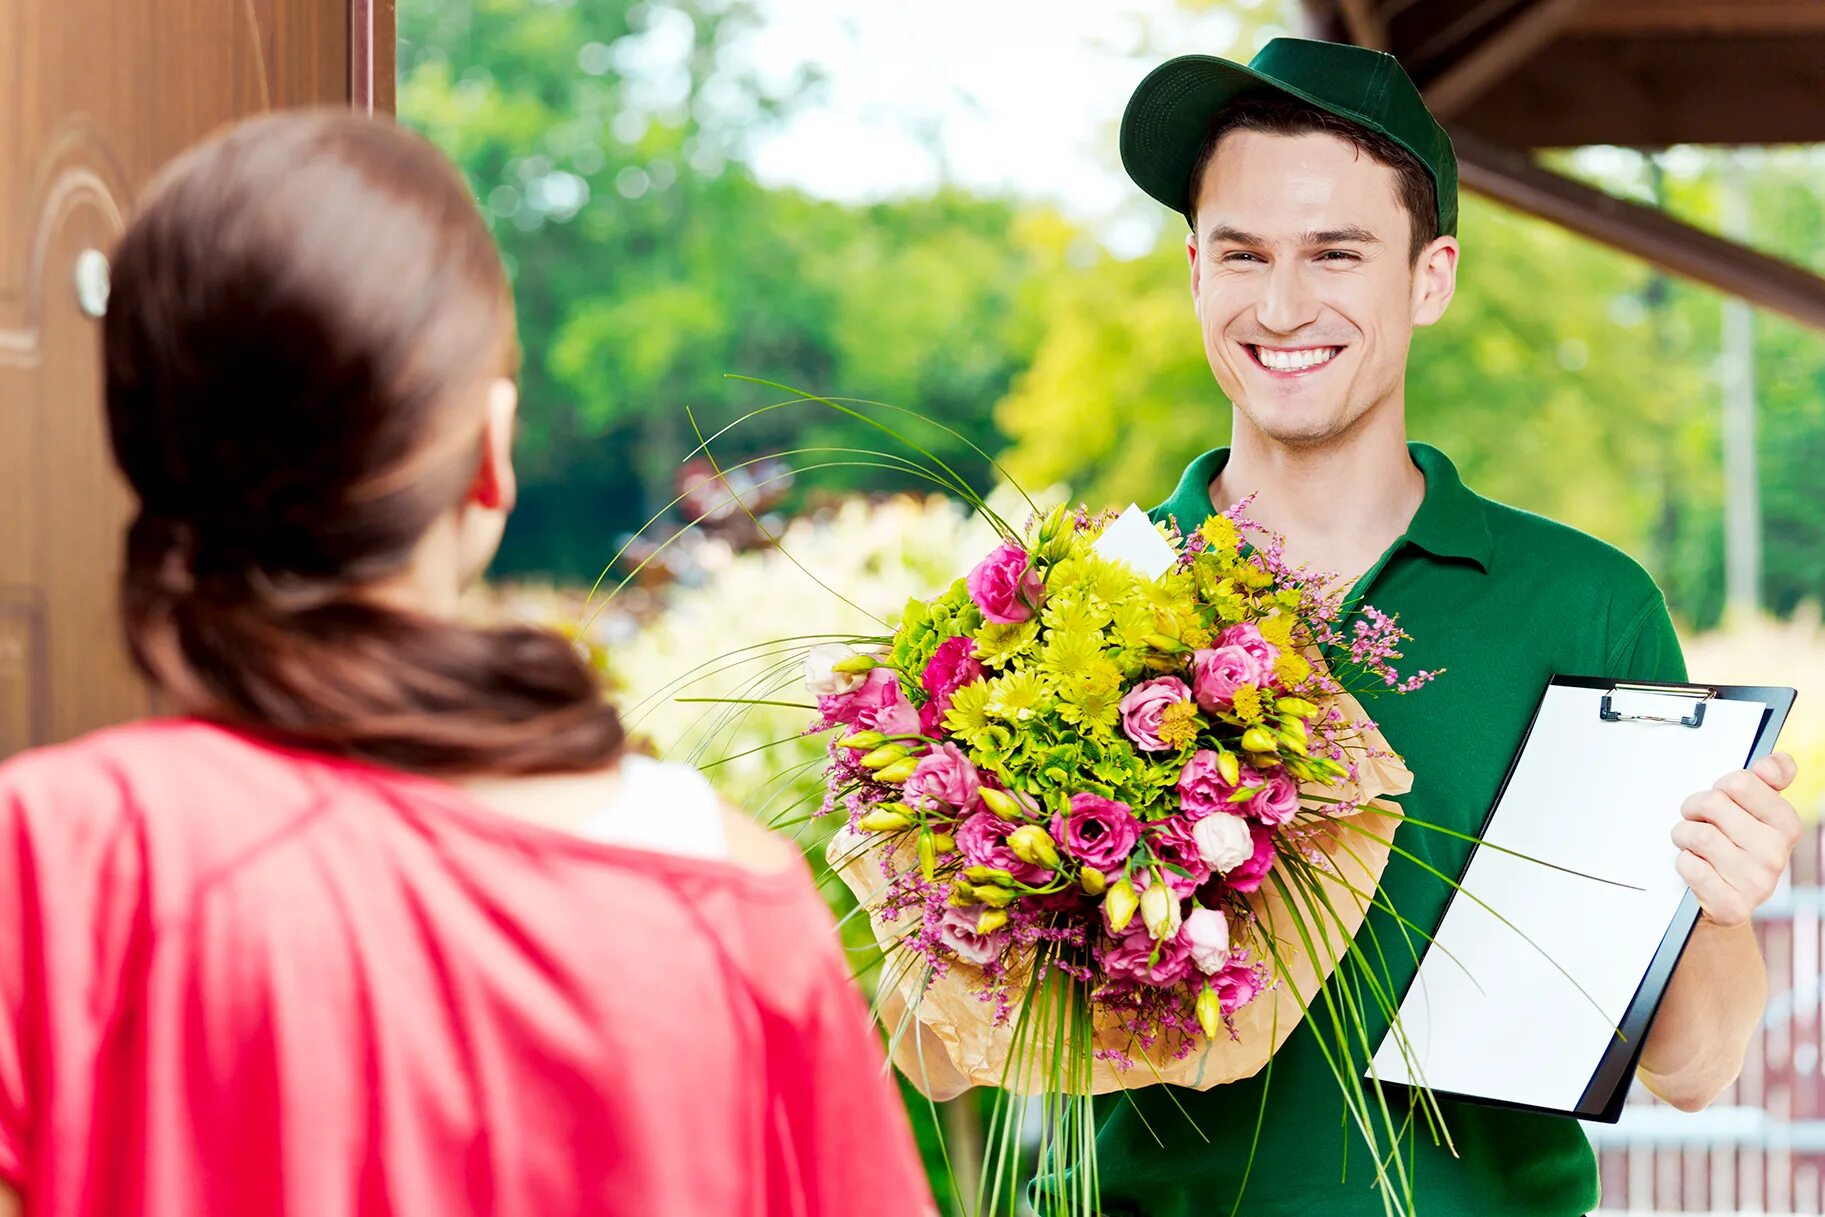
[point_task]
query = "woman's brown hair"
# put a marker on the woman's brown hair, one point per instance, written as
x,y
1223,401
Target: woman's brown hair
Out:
x,y
305,319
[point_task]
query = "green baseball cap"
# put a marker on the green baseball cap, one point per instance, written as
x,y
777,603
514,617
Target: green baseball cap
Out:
x,y
1169,116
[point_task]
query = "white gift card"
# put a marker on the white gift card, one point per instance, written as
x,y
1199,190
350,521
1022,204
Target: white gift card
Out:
x,y
1133,539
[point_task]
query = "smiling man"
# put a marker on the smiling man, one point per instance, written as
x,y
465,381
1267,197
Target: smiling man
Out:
x,y
1322,198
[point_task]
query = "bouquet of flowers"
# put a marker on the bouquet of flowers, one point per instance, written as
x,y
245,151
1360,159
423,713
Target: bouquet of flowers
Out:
x,y
1103,816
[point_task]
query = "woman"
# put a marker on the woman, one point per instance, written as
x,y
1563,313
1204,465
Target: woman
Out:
x,y
388,921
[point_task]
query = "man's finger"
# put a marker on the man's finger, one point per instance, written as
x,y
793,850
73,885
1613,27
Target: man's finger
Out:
x,y
1777,769
1754,795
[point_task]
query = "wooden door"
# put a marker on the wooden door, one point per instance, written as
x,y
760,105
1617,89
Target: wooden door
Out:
x,y
98,94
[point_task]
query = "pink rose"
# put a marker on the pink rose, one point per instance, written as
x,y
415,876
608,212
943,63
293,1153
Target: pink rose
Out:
x,y
1224,841
1173,841
1217,672
1248,637
1248,877
1206,933
1144,706
1278,801
983,841
862,707
1005,586
946,778
1098,832
957,930
1129,956
1202,790
1237,985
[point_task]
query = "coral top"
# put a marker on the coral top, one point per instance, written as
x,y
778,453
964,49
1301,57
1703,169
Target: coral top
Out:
x,y
240,980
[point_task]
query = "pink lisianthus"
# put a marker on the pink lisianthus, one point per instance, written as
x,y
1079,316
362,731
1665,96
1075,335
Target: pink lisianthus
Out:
x,y
1237,984
1217,672
951,667
862,707
1143,707
1248,876
1206,932
946,778
1173,840
1098,832
1248,636
1005,585
957,930
1278,801
1202,790
983,841
1129,956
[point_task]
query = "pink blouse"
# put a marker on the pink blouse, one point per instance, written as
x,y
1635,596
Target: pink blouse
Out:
x,y
241,980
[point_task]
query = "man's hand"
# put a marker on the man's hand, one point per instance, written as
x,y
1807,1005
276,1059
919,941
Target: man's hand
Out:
x,y
1736,838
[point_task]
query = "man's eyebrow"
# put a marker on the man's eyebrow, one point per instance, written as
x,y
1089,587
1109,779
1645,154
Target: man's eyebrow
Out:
x,y
1350,234
1226,234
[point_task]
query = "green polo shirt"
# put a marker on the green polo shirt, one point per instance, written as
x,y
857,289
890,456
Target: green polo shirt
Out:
x,y
1502,600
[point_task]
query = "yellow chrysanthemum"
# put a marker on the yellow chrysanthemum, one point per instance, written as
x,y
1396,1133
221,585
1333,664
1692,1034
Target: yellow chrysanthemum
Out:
x,y
1277,629
1089,707
969,713
1018,696
1134,621
1247,704
1110,582
1195,636
1179,724
1071,654
1074,612
1292,669
1000,645
1219,532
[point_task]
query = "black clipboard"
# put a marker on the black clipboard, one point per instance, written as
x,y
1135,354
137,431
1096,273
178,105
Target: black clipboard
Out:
x,y
1604,1097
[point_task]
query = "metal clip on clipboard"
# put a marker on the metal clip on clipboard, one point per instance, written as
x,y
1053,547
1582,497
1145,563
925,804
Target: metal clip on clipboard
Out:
x,y
1698,694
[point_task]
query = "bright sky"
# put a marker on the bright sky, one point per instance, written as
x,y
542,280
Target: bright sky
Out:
x,y
1017,96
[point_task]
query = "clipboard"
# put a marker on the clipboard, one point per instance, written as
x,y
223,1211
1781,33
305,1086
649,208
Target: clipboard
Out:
x,y
1455,1021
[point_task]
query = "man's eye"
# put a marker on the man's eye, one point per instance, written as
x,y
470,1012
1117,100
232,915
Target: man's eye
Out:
x,y
1237,255
1338,255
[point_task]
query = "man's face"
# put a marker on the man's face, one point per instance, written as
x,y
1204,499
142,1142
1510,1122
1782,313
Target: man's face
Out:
x,y
1303,285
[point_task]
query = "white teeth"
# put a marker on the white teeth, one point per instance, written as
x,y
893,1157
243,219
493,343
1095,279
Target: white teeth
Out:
x,y
1295,361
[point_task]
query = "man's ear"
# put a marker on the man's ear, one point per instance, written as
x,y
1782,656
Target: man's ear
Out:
x,y
496,488
1197,268
1434,280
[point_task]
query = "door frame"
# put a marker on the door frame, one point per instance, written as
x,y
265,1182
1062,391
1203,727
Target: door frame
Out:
x,y
373,47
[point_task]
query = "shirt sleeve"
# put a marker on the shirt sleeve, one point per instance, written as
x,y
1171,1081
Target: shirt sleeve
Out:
x,y
858,1155
1647,647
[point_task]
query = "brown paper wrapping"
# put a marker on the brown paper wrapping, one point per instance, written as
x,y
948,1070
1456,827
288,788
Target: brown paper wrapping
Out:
x,y
958,1043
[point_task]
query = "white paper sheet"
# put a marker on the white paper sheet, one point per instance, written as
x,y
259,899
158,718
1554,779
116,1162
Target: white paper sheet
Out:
x,y
1490,1015
1132,538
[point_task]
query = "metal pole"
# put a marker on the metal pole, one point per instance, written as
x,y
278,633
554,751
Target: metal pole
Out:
x,y
1742,495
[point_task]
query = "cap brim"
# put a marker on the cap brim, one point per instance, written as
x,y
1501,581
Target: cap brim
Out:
x,y
1168,119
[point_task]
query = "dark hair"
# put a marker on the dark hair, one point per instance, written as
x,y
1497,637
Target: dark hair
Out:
x,y
304,320
1273,114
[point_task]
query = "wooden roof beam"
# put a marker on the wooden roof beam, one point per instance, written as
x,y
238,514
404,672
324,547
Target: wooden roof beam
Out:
x,y
1514,180
1364,24
1483,66
1737,18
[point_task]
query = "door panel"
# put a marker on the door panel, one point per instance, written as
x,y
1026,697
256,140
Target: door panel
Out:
x,y
99,94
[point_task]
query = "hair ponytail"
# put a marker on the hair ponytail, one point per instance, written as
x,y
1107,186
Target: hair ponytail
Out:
x,y
300,320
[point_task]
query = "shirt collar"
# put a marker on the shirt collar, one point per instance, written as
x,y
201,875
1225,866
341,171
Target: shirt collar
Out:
x,y
1451,521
